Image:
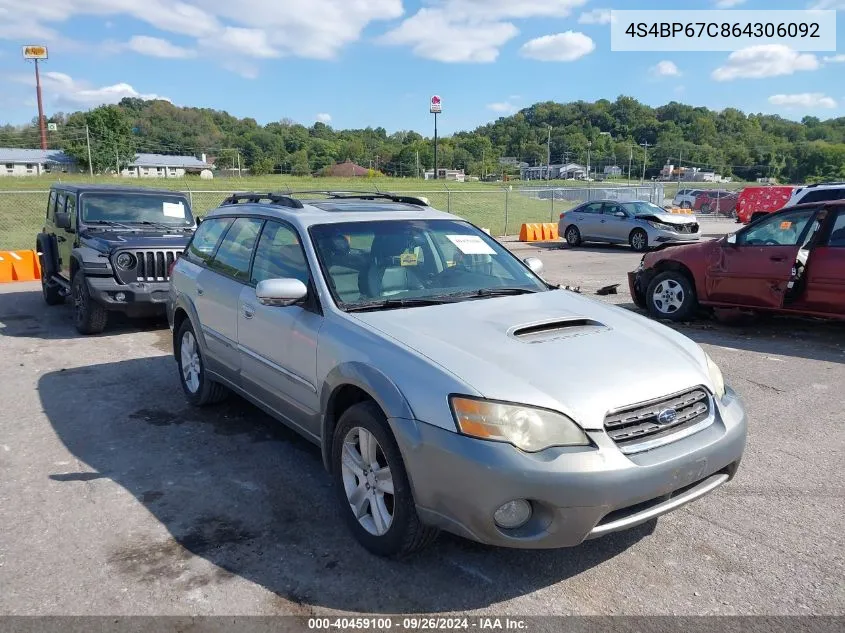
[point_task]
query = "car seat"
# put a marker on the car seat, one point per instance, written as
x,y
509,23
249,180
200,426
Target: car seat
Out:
x,y
385,275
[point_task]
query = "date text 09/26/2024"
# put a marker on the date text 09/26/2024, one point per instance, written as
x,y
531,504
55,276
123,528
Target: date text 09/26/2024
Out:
x,y
418,623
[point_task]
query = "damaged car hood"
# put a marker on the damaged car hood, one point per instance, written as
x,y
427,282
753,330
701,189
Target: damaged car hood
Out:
x,y
552,349
668,218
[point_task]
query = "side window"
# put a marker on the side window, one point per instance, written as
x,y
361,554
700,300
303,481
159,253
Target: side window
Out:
x,y
823,195
51,205
206,238
837,235
71,209
595,207
60,203
235,251
778,230
610,209
279,255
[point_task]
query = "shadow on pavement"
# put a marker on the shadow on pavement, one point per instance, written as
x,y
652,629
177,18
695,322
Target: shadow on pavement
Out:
x,y
24,314
235,487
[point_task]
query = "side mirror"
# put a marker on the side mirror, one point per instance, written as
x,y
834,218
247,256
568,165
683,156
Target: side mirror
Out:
x,y
731,239
280,292
63,220
534,264
621,214
198,220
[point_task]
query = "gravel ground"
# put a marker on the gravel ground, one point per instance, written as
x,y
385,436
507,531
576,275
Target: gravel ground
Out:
x,y
117,498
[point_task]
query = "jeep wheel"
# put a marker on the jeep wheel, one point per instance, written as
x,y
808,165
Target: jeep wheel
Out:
x,y
670,295
51,291
199,389
372,486
89,316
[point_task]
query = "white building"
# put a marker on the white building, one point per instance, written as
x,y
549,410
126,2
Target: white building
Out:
x,y
567,171
163,166
446,174
34,162
612,171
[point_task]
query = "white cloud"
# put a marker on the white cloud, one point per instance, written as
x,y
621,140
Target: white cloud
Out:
x,y
324,117
62,90
562,47
837,5
834,59
767,60
503,107
157,47
470,30
240,41
596,16
803,100
665,68
728,4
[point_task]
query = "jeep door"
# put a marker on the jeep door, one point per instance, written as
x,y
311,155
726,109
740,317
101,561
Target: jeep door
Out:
x,y
65,203
754,267
278,344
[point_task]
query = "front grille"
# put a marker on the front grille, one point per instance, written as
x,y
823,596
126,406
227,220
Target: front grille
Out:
x,y
687,228
149,266
641,423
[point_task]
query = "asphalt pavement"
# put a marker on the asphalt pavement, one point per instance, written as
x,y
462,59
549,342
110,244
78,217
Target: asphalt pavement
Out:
x,y
118,498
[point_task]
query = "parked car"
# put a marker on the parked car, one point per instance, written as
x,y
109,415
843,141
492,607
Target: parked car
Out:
x,y
446,383
820,192
685,198
721,202
792,261
755,202
640,224
110,249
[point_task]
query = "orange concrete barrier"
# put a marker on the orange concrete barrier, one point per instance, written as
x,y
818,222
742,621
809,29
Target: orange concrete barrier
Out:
x,y
538,232
19,266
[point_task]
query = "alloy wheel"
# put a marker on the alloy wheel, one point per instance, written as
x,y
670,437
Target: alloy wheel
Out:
x,y
668,296
190,362
638,241
367,481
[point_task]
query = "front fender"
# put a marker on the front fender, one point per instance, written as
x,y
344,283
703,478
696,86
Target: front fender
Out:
x,y
92,262
369,379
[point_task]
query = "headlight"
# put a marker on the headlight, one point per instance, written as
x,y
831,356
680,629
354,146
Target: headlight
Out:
x,y
661,226
716,377
527,428
125,261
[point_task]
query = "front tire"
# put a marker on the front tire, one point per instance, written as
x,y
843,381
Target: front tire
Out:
x,y
89,316
572,235
638,240
199,389
372,485
671,296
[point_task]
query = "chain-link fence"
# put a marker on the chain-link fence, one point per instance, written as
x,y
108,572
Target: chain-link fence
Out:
x,y
501,210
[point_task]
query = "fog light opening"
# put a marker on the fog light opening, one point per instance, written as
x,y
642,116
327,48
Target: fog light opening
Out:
x,y
120,296
513,514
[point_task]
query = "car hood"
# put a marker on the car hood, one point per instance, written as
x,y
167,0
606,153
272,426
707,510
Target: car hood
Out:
x,y
697,251
111,240
668,218
553,349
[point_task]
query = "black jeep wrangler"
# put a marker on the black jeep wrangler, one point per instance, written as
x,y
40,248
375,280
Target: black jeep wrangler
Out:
x,y
111,249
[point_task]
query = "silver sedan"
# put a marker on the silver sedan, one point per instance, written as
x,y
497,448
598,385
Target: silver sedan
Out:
x,y
641,224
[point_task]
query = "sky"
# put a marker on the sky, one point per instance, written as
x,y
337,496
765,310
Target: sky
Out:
x,y
358,63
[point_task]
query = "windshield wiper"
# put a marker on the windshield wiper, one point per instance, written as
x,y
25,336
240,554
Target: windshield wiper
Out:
x,y
387,304
495,292
169,227
108,223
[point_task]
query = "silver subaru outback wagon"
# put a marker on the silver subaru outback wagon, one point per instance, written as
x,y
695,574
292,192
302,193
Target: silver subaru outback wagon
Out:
x,y
448,385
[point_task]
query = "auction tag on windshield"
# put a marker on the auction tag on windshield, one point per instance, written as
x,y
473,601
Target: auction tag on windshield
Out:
x,y
408,259
173,209
785,225
471,244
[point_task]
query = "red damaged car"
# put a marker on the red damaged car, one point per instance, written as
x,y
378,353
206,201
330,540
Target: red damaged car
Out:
x,y
791,261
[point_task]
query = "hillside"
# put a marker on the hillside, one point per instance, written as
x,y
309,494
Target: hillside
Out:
x,y
731,142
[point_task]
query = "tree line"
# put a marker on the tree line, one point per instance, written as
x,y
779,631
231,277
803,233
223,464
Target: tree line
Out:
x,y
620,132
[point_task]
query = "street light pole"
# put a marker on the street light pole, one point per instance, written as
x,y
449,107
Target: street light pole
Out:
x,y
589,145
645,152
549,156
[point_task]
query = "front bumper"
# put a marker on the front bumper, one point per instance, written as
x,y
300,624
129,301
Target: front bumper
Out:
x,y
576,493
638,281
139,298
658,236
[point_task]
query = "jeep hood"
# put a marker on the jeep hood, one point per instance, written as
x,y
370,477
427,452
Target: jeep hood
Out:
x,y
105,241
553,349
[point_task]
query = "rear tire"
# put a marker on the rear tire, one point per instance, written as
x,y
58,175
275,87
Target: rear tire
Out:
x,y
638,240
199,389
89,316
671,296
572,236
686,205
365,461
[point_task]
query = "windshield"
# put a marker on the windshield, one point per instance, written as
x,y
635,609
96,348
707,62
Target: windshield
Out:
x,y
642,208
136,208
415,261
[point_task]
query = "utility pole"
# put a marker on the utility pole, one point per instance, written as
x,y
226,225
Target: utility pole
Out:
x,y
418,164
117,161
680,162
630,161
549,156
645,152
589,145
88,141
239,163
41,125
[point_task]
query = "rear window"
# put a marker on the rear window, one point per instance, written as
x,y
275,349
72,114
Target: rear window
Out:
x,y
823,195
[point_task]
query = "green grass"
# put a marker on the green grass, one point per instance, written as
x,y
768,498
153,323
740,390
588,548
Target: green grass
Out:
x,y
23,200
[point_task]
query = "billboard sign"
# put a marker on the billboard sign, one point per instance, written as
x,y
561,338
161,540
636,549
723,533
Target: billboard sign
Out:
x,y
34,51
436,105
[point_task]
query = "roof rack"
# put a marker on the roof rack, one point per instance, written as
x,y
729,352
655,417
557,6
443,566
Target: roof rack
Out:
x,y
831,182
366,195
256,197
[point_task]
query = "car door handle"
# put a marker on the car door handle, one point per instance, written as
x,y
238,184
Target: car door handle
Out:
x,y
777,258
248,311
603,221
200,290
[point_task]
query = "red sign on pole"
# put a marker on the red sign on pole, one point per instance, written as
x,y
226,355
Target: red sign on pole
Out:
x,y
436,106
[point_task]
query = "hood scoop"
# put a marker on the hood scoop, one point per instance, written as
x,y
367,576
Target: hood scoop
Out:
x,y
556,329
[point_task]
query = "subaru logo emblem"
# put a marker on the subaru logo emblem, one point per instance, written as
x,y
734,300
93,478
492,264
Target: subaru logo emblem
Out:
x,y
667,416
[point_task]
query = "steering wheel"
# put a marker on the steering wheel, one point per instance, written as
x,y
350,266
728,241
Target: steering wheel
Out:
x,y
771,243
444,275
